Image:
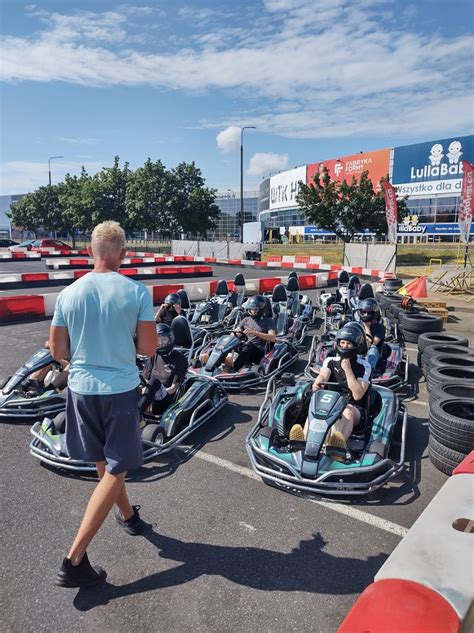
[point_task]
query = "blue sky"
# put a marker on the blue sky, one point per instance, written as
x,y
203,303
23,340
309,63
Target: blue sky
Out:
x,y
176,80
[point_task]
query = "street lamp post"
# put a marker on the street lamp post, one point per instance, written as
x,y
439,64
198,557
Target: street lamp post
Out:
x,y
241,214
49,166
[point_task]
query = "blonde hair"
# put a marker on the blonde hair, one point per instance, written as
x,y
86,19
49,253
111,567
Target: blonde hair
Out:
x,y
108,238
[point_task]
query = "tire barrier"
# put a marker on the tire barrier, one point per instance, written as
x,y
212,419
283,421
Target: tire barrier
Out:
x,y
425,586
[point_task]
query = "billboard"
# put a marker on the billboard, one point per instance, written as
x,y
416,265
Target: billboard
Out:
x,y
284,188
376,163
426,169
264,195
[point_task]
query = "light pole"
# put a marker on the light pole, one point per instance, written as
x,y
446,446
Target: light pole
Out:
x,y
49,166
241,214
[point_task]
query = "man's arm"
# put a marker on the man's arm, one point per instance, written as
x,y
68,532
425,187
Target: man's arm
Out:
x,y
59,343
146,341
269,336
323,376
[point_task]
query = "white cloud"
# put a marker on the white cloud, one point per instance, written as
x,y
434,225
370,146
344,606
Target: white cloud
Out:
x,y
228,140
24,176
261,164
337,68
77,140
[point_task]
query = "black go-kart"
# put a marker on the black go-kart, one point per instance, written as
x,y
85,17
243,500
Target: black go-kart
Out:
x,y
391,370
300,305
289,325
278,357
371,459
221,311
198,400
22,398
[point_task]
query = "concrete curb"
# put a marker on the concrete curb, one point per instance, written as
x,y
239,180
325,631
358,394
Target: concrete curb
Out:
x,y
426,583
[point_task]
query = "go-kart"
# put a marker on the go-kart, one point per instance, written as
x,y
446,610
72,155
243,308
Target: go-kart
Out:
x,y
289,325
24,398
366,464
276,360
391,370
300,305
199,399
220,312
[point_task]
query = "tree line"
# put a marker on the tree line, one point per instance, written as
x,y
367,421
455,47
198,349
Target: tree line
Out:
x,y
150,198
345,208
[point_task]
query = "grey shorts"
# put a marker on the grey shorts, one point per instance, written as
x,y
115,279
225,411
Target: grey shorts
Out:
x,y
105,428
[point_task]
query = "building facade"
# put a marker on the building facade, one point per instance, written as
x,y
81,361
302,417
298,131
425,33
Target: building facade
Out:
x,y
229,204
5,204
428,175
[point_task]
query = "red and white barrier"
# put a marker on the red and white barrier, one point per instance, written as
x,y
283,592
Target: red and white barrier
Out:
x,y
426,585
18,256
19,307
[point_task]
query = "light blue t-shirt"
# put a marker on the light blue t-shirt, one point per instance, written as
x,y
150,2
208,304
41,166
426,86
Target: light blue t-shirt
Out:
x,y
101,312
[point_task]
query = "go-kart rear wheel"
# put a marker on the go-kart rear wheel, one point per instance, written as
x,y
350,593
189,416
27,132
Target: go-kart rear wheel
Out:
x,y
154,433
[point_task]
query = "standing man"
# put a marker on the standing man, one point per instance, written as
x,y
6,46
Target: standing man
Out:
x,y
101,322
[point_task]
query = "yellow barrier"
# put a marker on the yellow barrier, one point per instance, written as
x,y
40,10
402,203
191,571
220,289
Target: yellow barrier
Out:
x,y
439,261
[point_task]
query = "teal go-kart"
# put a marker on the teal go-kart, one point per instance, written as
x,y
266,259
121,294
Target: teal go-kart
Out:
x,y
370,460
277,359
199,399
22,398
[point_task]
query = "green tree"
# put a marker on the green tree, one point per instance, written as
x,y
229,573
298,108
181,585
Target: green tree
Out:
x,y
77,203
344,208
106,193
193,202
39,209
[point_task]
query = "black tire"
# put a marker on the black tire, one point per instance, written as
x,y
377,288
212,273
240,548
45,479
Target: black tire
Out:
x,y
421,323
410,337
433,338
440,375
452,423
393,284
453,360
443,458
451,390
154,433
447,350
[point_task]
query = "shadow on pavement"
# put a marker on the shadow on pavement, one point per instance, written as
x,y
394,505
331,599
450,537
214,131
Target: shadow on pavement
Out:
x,y
306,568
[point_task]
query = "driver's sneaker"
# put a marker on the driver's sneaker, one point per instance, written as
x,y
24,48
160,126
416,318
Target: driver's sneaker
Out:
x,y
82,575
336,440
296,433
133,525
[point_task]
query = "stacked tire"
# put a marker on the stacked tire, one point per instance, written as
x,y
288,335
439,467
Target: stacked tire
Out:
x,y
412,325
448,364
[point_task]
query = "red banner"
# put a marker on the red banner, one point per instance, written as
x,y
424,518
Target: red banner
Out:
x,y
466,203
376,163
391,211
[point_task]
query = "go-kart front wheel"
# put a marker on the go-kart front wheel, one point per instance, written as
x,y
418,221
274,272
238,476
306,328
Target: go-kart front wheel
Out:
x,y
154,433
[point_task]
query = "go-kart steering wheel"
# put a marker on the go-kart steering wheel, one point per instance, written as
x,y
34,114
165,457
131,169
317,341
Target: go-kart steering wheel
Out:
x,y
240,334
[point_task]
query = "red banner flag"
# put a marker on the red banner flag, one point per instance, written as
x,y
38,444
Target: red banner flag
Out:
x,y
391,211
466,203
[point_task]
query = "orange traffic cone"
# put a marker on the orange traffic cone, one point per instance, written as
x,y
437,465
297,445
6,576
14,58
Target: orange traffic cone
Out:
x,y
416,288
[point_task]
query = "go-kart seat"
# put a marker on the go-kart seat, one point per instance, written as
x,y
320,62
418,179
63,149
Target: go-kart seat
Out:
x,y
239,280
279,294
293,285
293,274
183,295
384,356
354,282
181,329
366,292
222,288
343,277
268,311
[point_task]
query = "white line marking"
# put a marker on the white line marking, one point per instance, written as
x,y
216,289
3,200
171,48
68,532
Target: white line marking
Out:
x,y
354,513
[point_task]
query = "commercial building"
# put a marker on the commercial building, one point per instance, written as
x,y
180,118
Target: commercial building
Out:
x,y
5,204
229,204
429,173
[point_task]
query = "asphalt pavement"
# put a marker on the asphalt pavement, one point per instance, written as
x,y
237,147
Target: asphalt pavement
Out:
x,y
224,552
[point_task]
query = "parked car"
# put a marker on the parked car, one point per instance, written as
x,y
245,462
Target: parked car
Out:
x,y
22,245
4,243
47,243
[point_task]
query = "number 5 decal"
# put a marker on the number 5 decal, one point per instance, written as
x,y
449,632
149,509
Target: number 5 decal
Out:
x,y
326,398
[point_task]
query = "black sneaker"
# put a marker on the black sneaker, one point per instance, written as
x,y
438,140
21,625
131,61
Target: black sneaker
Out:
x,y
82,575
133,525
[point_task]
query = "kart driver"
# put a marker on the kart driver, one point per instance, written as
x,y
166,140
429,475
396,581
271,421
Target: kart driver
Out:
x,y
352,375
259,330
374,330
58,383
164,371
170,308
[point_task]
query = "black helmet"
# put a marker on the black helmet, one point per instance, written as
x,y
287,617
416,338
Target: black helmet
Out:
x,y
257,302
368,310
353,332
172,298
165,339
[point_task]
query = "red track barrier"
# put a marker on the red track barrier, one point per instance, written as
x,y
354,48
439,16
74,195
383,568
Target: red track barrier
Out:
x,y
160,292
35,276
24,305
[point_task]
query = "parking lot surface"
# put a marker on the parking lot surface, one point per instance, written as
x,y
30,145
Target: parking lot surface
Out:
x,y
224,552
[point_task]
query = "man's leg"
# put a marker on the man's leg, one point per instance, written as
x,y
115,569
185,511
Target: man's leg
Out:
x,y
349,419
243,358
373,356
103,498
123,502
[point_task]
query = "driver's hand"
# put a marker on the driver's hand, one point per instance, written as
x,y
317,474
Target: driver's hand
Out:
x,y
315,386
345,363
249,332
